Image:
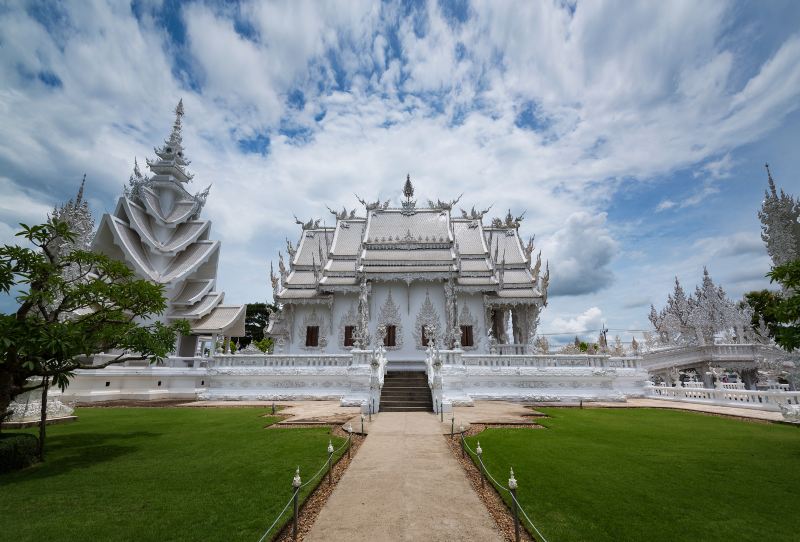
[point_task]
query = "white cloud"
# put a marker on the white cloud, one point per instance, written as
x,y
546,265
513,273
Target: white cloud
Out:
x,y
580,253
444,110
586,322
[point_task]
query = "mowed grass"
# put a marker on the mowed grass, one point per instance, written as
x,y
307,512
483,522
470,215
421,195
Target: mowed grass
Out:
x,y
649,474
160,474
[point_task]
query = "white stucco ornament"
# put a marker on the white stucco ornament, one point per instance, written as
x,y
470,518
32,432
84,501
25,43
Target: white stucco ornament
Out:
x,y
330,447
512,482
296,482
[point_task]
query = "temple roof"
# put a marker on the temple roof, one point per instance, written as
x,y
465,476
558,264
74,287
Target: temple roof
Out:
x,y
411,243
227,320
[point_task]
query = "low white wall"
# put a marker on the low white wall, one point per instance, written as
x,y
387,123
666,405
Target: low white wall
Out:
x,y
761,400
355,378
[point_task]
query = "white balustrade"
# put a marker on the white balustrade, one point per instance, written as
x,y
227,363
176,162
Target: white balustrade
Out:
x,y
281,360
766,400
550,360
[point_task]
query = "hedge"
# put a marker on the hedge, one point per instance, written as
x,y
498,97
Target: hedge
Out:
x,y
17,451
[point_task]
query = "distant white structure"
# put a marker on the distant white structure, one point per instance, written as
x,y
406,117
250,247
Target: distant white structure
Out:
x,y
157,230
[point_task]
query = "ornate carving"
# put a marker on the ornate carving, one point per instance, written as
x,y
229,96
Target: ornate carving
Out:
x,y
350,318
427,316
509,222
465,318
473,214
389,315
362,337
450,309
310,225
313,319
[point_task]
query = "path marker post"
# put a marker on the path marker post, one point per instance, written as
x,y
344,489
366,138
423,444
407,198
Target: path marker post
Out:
x,y
330,462
296,483
512,486
349,438
479,452
452,425
362,424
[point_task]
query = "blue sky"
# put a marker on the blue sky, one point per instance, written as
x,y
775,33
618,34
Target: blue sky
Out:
x,y
634,134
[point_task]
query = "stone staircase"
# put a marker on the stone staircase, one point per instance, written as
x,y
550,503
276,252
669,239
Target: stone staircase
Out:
x,y
406,391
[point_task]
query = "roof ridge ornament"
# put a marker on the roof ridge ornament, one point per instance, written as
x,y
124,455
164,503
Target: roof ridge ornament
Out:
x,y
509,222
310,225
473,214
409,205
377,205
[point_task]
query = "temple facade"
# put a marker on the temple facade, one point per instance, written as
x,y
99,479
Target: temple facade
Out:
x,y
157,230
407,277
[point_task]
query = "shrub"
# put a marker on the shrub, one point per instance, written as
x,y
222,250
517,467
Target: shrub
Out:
x,y
17,451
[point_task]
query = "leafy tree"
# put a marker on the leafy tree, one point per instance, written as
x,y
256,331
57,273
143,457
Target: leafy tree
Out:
x,y
759,301
784,310
256,320
72,305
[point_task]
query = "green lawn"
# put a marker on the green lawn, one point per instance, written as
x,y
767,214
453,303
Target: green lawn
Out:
x,y
649,474
160,474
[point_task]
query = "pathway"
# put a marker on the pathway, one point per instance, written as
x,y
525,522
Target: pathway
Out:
x,y
404,484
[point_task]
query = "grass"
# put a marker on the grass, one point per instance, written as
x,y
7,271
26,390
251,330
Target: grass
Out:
x,y
650,474
160,474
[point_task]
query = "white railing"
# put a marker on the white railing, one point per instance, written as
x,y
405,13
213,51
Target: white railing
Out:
x,y
732,385
550,360
377,374
510,349
714,353
766,400
280,360
433,368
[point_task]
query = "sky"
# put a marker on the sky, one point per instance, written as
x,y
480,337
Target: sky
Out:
x,y
632,135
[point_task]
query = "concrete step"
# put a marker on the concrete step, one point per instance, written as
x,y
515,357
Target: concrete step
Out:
x,y
406,409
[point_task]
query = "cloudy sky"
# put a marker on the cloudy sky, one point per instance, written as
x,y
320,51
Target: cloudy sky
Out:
x,y
634,135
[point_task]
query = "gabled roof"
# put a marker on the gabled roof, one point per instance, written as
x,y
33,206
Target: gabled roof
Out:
x,y
225,320
395,226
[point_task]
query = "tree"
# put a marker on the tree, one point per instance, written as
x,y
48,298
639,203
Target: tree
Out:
x,y
784,311
257,317
64,318
759,301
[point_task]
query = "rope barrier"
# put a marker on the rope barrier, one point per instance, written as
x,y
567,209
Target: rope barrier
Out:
x,y
279,517
324,466
502,487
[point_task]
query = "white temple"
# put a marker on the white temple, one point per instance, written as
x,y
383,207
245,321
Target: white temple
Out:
x,y
448,301
417,275
157,230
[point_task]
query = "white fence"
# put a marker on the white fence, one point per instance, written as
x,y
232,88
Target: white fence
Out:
x,y
764,400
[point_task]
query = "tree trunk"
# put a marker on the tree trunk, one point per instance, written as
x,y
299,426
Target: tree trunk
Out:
x,y
43,420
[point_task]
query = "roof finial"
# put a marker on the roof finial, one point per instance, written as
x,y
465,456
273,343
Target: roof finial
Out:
x,y
771,182
408,188
80,191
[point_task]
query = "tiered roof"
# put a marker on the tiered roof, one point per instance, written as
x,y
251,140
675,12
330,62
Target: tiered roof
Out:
x,y
410,243
157,229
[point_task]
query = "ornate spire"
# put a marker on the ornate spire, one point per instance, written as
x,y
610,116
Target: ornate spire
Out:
x,y
79,197
173,159
770,181
408,188
409,205
780,229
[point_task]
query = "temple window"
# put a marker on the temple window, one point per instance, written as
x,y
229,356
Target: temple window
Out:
x,y
312,335
466,336
348,335
390,339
